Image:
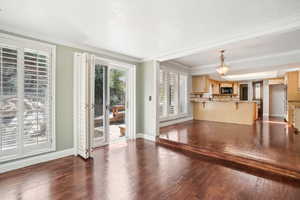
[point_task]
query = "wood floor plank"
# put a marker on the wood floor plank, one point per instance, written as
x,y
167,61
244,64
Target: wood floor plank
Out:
x,y
141,170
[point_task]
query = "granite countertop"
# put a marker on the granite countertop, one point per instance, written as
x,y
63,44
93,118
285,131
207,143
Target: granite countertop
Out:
x,y
231,100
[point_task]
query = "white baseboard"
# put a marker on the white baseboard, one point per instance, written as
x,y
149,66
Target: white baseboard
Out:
x,y
265,114
175,121
277,115
146,137
35,160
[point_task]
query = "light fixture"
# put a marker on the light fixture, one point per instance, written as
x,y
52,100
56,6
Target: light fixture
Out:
x,y
223,69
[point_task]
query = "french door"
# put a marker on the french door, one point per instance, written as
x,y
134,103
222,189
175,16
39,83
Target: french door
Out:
x,y
101,107
109,102
98,115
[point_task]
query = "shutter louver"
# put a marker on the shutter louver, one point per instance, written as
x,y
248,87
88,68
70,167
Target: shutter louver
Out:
x,y
36,98
182,93
26,107
8,101
162,94
172,93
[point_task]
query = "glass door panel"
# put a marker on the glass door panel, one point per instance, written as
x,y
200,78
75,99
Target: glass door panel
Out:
x,y
118,101
99,104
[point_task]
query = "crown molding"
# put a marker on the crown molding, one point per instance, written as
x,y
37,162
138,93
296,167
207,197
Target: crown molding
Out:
x,y
43,38
286,59
177,64
287,24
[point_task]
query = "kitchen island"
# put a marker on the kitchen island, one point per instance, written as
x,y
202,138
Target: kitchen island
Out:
x,y
228,111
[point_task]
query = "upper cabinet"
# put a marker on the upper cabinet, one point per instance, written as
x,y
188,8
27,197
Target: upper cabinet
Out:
x,y
215,87
236,88
226,84
200,84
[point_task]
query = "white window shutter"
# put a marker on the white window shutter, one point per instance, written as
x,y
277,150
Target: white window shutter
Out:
x,y
81,109
36,105
9,129
173,92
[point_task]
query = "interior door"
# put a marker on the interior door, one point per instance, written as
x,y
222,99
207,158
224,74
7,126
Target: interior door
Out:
x,y
99,104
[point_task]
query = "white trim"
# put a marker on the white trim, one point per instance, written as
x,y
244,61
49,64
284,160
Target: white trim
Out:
x,y
173,63
252,59
27,43
130,91
35,160
281,26
75,100
156,95
175,121
53,98
22,44
146,137
166,70
173,117
263,63
89,48
277,115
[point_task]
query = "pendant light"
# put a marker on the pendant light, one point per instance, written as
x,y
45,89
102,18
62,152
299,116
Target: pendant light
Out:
x,y
223,69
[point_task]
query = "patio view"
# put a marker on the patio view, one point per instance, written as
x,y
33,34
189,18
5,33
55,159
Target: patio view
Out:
x,y
117,96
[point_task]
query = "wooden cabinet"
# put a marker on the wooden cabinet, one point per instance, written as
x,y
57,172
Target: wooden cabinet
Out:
x,y
215,87
236,88
226,84
200,84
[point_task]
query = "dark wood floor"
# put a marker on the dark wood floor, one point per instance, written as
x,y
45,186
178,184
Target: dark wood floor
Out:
x,y
270,140
142,170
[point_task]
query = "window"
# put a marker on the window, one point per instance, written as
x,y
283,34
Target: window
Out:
x,y
173,94
26,106
162,94
173,91
182,93
257,90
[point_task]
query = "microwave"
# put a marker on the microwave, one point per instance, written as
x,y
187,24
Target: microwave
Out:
x,y
226,90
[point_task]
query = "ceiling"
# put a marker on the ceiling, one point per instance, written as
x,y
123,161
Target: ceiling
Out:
x,y
151,29
251,48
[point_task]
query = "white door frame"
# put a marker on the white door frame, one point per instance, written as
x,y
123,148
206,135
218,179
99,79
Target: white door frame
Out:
x,y
130,95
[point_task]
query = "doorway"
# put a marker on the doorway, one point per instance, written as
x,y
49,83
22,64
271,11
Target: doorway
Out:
x,y
104,102
244,92
109,100
277,100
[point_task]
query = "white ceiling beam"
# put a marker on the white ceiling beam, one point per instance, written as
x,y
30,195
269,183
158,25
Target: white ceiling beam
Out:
x,y
287,24
263,63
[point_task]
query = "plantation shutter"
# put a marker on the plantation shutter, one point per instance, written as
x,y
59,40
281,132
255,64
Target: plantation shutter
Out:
x,y
162,94
81,105
26,103
37,100
182,93
173,81
8,101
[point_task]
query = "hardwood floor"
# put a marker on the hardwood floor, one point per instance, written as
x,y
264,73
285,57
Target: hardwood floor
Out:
x,y
142,170
270,141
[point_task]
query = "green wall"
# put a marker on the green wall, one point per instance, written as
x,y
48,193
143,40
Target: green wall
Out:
x,y
64,94
147,116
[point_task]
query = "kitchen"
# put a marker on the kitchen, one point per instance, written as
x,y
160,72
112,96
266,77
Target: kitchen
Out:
x,y
226,101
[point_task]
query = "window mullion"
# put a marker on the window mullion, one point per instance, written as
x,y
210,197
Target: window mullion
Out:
x,y
177,94
168,93
20,94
